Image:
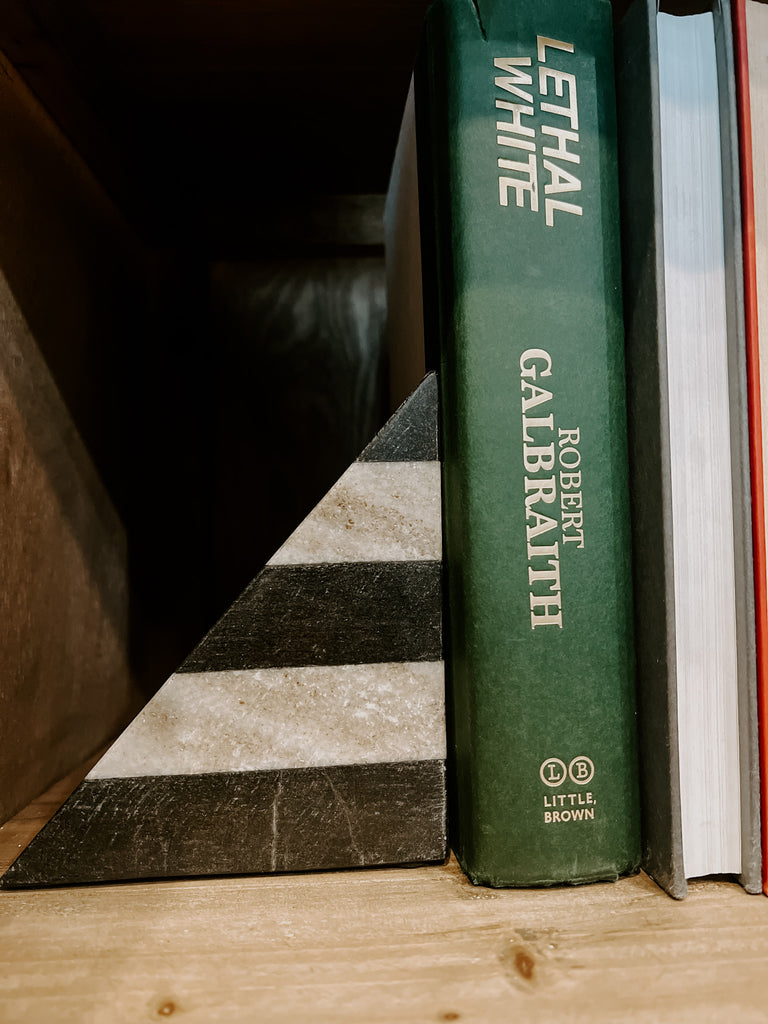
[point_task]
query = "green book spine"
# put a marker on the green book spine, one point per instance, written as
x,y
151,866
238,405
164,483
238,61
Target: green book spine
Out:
x,y
516,129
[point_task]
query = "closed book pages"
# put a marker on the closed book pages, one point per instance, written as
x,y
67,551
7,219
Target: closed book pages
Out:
x,y
689,459
751,41
518,201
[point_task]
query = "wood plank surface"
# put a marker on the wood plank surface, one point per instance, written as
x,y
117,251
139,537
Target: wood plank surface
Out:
x,y
405,945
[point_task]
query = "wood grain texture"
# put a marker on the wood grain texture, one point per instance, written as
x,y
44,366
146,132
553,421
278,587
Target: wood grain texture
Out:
x,y
394,945
68,268
65,682
81,299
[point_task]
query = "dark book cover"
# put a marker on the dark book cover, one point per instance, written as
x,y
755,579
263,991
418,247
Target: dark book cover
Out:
x,y
518,202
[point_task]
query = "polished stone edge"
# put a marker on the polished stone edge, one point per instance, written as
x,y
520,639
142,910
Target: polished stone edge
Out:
x,y
410,435
328,614
240,823
376,512
265,719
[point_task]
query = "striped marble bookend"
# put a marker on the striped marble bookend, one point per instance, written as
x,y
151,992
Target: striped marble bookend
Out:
x,y
306,731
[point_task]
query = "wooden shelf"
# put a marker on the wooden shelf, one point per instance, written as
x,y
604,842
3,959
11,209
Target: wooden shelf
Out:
x,y
416,945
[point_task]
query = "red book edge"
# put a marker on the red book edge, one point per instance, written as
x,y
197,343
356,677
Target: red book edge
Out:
x,y
753,389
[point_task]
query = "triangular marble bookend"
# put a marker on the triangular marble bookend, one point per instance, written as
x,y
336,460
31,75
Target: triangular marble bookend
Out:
x,y
306,731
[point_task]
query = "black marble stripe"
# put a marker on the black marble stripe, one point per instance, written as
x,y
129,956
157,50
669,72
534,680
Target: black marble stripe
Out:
x,y
328,614
411,433
251,822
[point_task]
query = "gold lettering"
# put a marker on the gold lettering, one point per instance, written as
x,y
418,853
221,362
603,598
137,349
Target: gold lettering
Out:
x,y
516,79
528,357
563,137
542,42
539,458
518,111
560,180
532,422
536,396
543,490
527,183
545,550
550,205
573,520
570,481
575,537
565,436
571,500
545,611
513,143
561,79
543,524
550,576
573,460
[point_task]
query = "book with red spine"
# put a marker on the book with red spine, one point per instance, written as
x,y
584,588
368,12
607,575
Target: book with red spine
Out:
x,y
749,227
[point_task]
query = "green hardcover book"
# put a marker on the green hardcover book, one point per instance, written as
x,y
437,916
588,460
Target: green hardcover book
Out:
x,y
518,199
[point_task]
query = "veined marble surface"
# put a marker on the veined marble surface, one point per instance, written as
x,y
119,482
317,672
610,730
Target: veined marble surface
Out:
x,y
378,511
262,719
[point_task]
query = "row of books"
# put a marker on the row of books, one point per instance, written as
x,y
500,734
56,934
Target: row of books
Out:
x,y
575,243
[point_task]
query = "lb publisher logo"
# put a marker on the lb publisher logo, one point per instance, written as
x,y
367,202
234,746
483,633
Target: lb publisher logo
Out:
x,y
553,772
580,771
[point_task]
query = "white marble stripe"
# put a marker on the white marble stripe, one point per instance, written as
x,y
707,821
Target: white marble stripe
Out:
x,y
376,512
261,719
